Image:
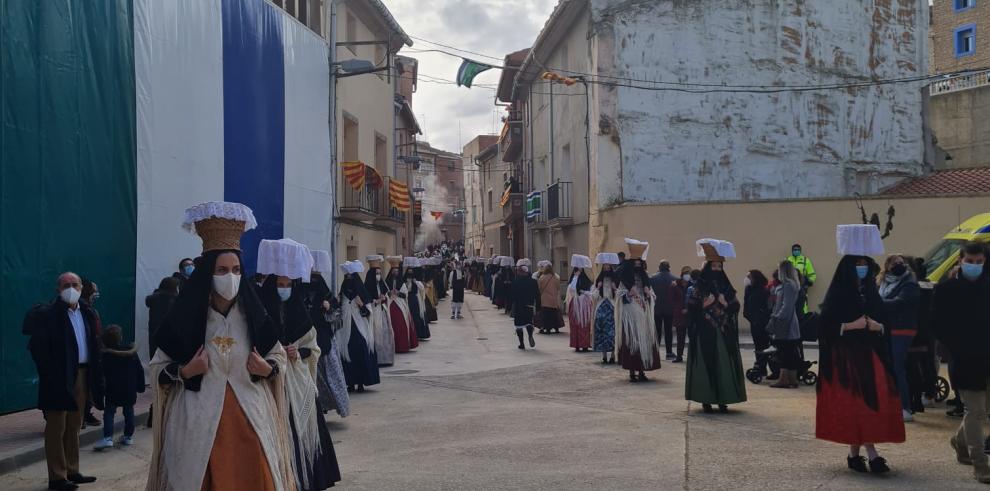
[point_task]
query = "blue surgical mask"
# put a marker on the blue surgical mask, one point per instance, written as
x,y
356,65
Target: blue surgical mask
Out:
x,y
795,252
188,270
972,271
284,293
862,271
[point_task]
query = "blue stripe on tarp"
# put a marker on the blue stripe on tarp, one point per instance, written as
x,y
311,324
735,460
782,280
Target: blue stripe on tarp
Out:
x,y
254,118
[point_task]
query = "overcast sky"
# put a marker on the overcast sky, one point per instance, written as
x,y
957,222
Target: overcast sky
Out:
x,y
491,27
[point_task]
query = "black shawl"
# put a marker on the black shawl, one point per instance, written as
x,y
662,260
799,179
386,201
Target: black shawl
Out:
x,y
583,281
373,285
184,330
290,317
848,358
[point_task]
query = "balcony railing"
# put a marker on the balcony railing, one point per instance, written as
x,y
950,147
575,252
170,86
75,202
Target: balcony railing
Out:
x,y
558,203
961,82
362,204
390,217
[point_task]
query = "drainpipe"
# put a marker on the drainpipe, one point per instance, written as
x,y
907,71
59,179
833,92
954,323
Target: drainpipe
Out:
x,y
332,53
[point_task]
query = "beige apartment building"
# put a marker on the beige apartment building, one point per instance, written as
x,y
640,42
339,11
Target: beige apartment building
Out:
x,y
475,193
366,130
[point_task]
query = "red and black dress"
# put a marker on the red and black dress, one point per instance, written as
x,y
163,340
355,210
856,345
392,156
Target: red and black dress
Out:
x,y
858,402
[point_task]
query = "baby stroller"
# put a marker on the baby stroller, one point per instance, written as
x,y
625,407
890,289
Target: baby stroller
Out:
x,y
809,332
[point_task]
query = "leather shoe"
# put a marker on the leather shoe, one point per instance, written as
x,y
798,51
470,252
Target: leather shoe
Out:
x,y
81,479
62,485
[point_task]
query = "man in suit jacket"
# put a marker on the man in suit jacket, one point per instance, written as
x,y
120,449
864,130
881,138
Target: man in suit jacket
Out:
x,y
66,353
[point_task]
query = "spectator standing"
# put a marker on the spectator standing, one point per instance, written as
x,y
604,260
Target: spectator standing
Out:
x,y
186,268
806,269
678,295
900,293
123,378
66,353
784,327
159,303
756,310
960,307
90,294
663,311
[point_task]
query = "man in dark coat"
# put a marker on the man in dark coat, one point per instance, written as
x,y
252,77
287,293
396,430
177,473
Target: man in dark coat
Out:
x,y
961,319
663,310
66,353
524,293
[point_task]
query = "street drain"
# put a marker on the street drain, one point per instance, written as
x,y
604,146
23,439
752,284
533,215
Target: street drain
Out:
x,y
482,339
402,372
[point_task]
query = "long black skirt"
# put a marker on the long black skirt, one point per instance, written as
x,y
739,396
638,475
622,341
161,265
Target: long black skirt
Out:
x,y
325,471
363,367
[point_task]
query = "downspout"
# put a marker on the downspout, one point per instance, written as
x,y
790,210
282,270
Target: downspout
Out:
x,y
332,54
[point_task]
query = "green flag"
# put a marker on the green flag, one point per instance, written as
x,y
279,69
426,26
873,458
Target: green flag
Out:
x,y
468,70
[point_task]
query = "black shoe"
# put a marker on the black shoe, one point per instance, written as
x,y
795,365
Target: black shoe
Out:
x,y
956,412
642,377
532,342
604,360
521,346
350,388
91,420
611,360
707,408
679,359
81,479
879,465
670,356
722,408
773,376
360,389
857,463
63,485
632,378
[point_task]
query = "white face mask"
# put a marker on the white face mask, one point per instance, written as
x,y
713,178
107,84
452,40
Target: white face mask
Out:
x,y
746,281
70,296
284,293
686,277
227,285
378,277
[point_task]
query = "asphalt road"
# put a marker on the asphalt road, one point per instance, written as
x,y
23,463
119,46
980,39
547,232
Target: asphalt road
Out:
x,y
471,411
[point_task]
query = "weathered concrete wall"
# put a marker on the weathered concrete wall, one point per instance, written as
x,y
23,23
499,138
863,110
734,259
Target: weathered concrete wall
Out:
x,y
762,241
961,122
678,146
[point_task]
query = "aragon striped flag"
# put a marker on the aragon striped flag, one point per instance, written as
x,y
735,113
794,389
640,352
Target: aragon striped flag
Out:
x,y
398,192
468,70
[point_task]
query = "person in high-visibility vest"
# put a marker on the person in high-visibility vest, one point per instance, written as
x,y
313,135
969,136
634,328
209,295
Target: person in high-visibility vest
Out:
x,y
807,270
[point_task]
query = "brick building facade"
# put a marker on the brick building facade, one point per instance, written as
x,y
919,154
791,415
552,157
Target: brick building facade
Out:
x,y
959,33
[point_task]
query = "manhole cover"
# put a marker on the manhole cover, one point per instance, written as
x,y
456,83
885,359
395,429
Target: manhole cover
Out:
x,y
402,372
482,339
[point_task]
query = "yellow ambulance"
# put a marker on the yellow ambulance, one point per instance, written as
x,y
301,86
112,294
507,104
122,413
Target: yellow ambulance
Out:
x,y
943,256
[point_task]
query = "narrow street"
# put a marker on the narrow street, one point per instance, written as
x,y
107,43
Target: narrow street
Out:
x,y
471,411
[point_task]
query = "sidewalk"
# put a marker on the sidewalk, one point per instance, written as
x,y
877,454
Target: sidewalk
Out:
x,y
22,434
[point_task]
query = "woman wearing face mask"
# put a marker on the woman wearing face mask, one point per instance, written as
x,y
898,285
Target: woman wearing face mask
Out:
x,y
381,322
784,327
357,338
756,310
324,311
603,331
403,329
416,297
220,413
285,263
580,303
858,404
636,342
901,294
714,366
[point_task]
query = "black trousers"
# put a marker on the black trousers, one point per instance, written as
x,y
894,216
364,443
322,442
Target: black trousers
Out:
x,y
665,329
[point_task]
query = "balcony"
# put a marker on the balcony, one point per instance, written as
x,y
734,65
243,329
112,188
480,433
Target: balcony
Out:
x,y
960,82
513,205
558,204
390,217
363,204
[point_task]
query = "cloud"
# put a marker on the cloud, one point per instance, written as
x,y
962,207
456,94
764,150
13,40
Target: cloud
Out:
x,y
491,27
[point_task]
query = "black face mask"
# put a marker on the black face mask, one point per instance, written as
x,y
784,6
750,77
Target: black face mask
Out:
x,y
899,269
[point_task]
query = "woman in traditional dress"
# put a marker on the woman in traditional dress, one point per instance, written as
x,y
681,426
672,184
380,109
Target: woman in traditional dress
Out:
x,y
415,298
603,330
360,361
580,303
858,402
549,283
525,292
635,328
458,282
286,263
714,366
403,329
220,411
425,274
381,322
324,311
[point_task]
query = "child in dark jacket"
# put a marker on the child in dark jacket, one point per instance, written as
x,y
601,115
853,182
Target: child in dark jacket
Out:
x,y
124,378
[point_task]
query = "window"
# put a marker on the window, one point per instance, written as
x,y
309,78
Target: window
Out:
x,y
965,38
450,165
350,139
960,5
489,200
381,154
350,31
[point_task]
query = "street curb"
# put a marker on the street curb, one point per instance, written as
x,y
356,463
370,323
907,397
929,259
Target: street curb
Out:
x,y
35,452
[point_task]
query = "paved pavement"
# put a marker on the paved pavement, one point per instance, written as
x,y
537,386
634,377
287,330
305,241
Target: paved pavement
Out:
x,y
469,410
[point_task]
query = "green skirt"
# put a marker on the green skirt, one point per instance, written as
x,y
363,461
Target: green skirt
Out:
x,y
720,380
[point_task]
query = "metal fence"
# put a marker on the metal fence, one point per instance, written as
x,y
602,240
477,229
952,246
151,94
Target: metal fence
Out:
x,y
558,200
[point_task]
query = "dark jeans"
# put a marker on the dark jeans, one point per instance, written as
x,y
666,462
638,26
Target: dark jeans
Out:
x,y
899,344
665,328
108,414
